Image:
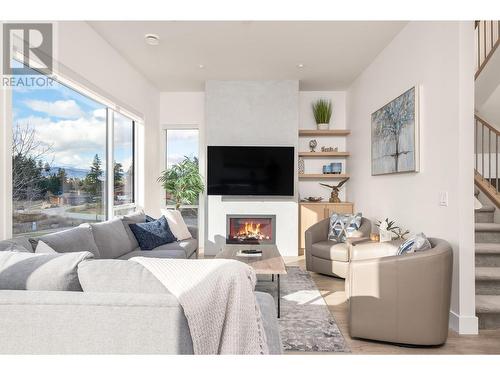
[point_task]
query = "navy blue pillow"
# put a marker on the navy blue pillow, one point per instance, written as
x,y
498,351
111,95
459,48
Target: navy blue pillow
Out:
x,y
152,234
149,219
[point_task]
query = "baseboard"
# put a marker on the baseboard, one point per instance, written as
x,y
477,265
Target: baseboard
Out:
x,y
463,325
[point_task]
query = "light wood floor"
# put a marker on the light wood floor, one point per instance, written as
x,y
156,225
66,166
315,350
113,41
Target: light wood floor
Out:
x,y
332,289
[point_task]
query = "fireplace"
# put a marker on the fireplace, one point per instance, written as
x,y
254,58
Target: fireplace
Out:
x,y
251,229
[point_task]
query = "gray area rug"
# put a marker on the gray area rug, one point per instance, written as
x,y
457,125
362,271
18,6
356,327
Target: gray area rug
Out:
x,y
306,324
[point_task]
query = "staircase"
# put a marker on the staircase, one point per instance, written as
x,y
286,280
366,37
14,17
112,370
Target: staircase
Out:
x,y
487,267
487,182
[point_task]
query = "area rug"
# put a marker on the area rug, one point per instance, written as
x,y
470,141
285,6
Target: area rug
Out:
x,y
306,324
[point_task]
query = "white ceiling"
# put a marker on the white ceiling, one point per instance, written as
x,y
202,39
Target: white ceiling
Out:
x,y
334,53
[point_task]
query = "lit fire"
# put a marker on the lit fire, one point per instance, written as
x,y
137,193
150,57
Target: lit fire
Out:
x,y
250,231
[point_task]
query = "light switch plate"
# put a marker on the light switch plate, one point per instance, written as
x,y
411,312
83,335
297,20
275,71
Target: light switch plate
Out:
x,y
443,198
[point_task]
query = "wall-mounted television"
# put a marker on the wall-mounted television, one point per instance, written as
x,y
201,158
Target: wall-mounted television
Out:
x,y
250,170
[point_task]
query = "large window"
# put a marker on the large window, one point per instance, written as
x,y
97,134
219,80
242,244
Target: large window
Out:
x,y
182,144
59,160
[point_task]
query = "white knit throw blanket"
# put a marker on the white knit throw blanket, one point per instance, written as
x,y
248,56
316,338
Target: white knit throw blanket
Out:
x,y
218,299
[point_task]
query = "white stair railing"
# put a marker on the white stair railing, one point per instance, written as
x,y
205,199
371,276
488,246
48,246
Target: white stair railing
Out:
x,y
487,41
486,146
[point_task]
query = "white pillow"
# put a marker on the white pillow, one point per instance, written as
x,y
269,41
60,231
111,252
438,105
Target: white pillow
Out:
x,y
177,224
43,248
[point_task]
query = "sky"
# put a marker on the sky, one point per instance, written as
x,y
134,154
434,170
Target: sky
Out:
x,y
74,127
71,124
180,143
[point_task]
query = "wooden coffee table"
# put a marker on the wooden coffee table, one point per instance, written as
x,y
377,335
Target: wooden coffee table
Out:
x,y
270,263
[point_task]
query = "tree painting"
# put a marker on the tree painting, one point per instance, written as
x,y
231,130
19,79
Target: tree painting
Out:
x,y
393,136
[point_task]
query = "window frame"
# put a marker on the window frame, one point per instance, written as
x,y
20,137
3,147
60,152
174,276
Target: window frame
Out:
x,y
6,134
165,130
201,158
110,206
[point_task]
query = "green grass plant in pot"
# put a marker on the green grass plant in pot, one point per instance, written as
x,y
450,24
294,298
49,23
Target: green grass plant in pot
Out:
x,y
322,110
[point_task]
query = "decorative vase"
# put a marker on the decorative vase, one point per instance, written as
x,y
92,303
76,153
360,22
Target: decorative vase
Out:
x,y
323,126
385,235
301,166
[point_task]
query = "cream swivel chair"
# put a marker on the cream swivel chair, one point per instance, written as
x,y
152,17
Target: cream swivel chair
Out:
x,y
329,257
402,299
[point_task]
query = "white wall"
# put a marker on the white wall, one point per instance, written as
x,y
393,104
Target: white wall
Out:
x,y
252,113
306,121
437,56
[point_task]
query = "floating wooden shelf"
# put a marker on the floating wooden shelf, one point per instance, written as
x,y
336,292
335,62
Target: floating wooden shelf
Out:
x,y
321,176
315,132
337,154
326,202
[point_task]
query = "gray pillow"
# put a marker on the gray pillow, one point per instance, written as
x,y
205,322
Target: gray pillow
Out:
x,y
111,239
70,241
16,244
118,276
135,218
28,271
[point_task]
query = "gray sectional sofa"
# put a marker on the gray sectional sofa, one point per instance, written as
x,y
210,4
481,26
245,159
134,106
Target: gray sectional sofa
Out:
x,y
113,239
121,308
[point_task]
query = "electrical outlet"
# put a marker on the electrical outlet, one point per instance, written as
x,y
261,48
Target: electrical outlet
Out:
x,y
443,198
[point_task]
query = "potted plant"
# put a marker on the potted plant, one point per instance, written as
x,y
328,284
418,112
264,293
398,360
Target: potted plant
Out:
x,y
386,229
322,110
183,181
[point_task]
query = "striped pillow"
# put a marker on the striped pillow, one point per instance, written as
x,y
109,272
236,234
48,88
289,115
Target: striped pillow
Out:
x,y
419,242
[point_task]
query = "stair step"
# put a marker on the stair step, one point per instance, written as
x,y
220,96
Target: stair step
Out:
x,y
487,227
487,254
488,281
485,209
488,304
476,191
488,311
488,248
488,273
486,214
487,232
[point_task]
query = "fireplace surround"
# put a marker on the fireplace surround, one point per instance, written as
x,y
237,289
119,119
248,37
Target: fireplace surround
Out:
x,y
251,229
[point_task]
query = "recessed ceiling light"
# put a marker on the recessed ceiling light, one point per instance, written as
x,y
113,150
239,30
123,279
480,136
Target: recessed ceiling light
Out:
x,y
201,66
300,66
152,39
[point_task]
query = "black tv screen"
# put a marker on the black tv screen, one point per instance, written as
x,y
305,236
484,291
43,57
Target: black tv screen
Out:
x,y
250,170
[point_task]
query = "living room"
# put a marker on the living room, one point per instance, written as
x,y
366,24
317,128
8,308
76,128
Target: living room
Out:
x,y
253,187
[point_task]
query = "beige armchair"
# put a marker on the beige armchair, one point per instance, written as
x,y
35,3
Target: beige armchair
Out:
x,y
329,257
402,299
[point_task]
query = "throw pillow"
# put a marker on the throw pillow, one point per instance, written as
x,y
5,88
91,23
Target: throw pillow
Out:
x,y
111,239
28,271
43,248
419,242
153,234
117,276
342,226
20,244
177,224
134,218
73,240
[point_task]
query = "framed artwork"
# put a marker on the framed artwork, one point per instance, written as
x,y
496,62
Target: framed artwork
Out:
x,y
395,141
